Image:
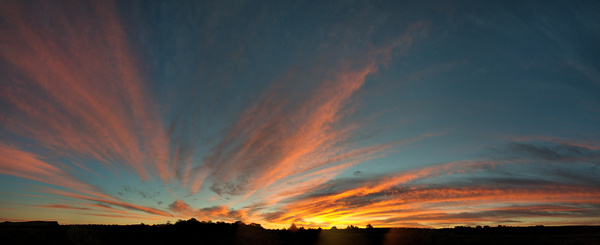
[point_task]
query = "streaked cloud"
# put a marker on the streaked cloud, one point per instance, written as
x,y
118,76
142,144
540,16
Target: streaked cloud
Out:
x,y
416,197
75,87
31,166
363,113
282,136
553,152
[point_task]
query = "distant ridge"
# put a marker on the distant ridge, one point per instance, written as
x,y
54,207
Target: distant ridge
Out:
x,y
30,223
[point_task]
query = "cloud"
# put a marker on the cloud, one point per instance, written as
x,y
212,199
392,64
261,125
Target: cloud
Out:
x,y
104,202
27,165
448,193
293,130
502,215
180,207
63,206
100,206
221,213
131,217
539,148
553,152
76,91
433,205
75,88
143,194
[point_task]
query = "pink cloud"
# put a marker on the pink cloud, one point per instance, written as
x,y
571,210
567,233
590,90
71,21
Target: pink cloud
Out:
x,y
180,207
28,165
284,136
81,102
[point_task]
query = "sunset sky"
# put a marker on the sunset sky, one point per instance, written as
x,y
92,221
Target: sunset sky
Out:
x,y
318,113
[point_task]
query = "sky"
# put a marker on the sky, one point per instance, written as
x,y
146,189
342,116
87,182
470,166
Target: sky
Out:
x,y
318,113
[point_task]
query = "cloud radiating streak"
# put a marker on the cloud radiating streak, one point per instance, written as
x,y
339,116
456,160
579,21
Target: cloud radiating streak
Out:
x,y
30,166
74,87
108,201
280,136
403,199
313,112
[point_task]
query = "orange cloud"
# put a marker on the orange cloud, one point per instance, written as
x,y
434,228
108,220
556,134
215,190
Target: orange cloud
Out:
x,y
401,200
28,165
85,103
63,206
131,217
75,99
436,206
104,202
180,207
282,137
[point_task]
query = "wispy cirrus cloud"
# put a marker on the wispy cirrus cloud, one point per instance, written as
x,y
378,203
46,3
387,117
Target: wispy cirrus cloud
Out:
x,y
78,101
63,206
293,131
456,193
553,151
114,202
419,204
511,215
74,87
27,165
74,91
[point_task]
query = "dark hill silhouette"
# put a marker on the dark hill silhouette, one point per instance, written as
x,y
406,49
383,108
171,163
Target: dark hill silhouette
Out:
x,y
193,231
30,223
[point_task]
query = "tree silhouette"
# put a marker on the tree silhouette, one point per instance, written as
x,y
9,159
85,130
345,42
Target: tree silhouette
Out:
x,y
293,228
369,226
193,231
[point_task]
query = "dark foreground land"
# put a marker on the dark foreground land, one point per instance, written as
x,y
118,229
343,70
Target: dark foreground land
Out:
x,y
239,233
